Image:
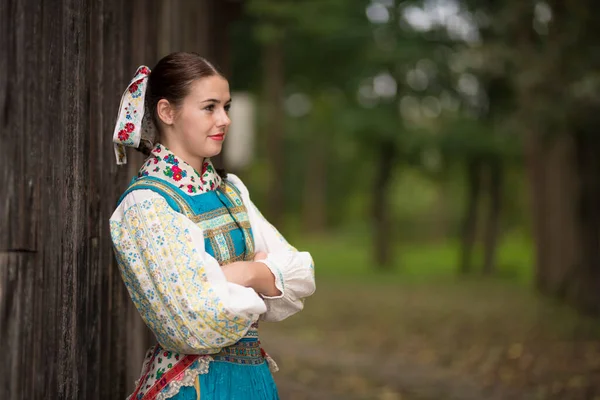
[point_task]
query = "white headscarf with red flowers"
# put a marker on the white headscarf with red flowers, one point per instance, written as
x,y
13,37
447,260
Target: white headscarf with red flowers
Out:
x,y
133,118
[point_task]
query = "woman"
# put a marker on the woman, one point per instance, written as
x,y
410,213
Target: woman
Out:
x,y
201,264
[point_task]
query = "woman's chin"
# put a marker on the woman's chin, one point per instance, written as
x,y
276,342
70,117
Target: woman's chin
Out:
x,y
213,150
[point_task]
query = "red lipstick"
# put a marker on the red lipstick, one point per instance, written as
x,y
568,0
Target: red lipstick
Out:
x,y
219,137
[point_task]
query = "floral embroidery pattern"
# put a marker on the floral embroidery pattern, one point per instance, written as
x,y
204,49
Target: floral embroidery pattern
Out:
x,y
125,129
163,164
131,113
191,189
134,89
181,370
170,159
173,171
143,271
207,175
165,372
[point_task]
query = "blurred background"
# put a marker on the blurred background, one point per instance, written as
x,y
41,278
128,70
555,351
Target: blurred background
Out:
x,y
438,158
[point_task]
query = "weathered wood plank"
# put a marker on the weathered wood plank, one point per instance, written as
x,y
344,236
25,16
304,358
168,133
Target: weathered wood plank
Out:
x,y
10,327
68,329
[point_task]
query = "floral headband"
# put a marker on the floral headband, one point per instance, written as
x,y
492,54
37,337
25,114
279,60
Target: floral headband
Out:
x,y
131,121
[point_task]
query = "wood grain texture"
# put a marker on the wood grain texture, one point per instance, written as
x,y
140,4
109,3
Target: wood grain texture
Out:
x,y
68,329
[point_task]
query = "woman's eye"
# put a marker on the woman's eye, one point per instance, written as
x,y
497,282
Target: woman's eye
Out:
x,y
227,107
210,108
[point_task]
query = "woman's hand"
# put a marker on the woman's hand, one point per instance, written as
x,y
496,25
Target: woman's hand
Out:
x,y
241,272
261,255
253,274
238,272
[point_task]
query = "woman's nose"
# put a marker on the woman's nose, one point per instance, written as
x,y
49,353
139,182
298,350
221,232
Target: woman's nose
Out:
x,y
224,119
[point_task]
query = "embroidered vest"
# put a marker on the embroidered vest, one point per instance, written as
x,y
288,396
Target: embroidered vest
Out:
x,y
228,238
220,213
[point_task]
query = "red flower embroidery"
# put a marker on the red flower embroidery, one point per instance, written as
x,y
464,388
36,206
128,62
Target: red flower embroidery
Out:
x,y
191,189
176,172
144,71
123,135
133,88
129,127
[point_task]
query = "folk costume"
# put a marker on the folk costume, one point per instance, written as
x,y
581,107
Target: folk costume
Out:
x,y
173,229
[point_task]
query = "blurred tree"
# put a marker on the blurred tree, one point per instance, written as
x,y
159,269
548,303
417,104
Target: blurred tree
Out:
x,y
486,166
549,53
274,81
270,34
365,51
303,44
343,36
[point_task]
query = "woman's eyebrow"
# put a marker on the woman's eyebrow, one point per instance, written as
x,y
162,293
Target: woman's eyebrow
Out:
x,y
215,101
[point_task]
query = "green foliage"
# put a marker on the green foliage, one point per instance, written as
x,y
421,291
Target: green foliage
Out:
x,y
330,45
332,52
347,257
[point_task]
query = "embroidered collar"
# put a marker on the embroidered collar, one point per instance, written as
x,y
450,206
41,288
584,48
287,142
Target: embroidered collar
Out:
x,y
163,164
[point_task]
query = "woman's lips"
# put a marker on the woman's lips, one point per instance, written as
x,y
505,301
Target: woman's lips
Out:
x,y
219,137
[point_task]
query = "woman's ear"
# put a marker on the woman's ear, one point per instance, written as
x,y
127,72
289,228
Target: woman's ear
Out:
x,y
165,111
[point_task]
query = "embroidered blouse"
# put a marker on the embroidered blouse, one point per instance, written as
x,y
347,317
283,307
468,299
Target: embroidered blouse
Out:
x,y
177,284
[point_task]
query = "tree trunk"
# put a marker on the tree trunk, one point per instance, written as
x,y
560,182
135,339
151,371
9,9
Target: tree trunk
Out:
x,y
381,208
490,244
566,189
584,291
564,169
469,226
315,187
555,194
274,83
534,165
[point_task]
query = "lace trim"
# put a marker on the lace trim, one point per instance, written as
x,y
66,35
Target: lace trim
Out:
x,y
273,367
189,378
147,360
202,365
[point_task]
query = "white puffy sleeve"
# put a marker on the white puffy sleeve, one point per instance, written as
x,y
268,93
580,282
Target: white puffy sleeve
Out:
x,y
293,270
179,289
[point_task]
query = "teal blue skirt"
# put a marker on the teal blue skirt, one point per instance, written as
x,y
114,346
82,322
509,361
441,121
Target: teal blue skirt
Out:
x,y
230,381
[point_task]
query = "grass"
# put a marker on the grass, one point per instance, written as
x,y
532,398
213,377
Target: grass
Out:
x,y
497,332
349,258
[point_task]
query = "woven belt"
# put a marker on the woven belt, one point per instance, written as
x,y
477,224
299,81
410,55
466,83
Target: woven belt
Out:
x,y
247,351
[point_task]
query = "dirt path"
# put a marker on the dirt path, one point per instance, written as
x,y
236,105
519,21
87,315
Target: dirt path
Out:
x,y
352,375
451,341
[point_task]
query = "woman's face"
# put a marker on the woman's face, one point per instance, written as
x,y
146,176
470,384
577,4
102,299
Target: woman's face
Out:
x,y
202,120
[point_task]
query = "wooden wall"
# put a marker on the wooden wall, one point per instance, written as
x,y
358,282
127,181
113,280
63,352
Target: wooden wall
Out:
x,y
68,329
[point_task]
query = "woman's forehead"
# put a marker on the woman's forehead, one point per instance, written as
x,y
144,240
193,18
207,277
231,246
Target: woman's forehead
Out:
x,y
211,87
